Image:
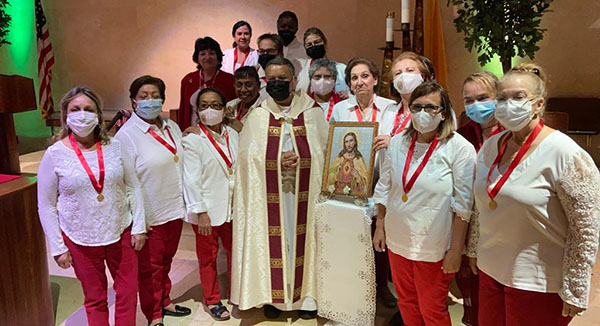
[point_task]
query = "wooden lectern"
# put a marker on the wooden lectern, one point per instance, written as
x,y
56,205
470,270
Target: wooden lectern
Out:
x,y
24,283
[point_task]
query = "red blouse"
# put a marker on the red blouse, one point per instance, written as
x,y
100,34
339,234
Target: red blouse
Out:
x,y
191,83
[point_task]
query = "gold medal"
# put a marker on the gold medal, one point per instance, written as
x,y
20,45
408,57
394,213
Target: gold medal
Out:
x,y
493,204
230,171
404,198
176,158
100,197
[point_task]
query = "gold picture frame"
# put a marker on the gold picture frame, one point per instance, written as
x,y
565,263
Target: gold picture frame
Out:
x,y
348,171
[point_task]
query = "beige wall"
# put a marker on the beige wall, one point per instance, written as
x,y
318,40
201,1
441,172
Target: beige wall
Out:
x,y
106,44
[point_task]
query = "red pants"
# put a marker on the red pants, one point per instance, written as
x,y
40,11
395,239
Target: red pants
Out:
x,y
505,306
207,248
422,290
88,263
468,283
154,266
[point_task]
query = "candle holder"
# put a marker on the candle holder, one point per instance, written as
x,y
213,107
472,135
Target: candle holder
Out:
x,y
405,29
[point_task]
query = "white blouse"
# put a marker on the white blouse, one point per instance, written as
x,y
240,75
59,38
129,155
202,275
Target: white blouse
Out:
x,y
543,235
421,228
345,111
304,79
68,202
389,118
228,56
159,174
207,184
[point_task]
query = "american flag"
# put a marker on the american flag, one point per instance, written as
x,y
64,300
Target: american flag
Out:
x,y
45,61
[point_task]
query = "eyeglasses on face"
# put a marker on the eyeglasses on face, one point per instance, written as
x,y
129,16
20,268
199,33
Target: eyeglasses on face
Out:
x,y
216,106
429,108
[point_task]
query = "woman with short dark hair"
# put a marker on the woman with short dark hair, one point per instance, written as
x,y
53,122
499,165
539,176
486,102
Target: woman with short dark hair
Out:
x,y
425,201
209,59
155,151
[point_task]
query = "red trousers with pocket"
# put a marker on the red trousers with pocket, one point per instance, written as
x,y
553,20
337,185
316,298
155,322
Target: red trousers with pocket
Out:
x,y
207,249
154,265
89,265
501,305
422,290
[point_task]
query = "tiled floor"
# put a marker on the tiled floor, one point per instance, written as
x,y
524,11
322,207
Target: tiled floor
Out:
x,y
68,297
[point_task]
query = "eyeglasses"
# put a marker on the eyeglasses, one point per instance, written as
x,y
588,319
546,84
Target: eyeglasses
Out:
x,y
216,106
268,51
429,108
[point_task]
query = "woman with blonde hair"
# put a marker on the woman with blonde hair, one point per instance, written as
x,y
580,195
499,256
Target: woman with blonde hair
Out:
x,y
83,207
425,201
538,197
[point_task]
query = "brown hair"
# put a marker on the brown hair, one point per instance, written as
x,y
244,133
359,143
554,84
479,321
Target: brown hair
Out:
x,y
484,78
135,86
364,61
99,131
446,128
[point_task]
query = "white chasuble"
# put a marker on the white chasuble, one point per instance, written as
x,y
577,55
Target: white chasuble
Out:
x,y
274,247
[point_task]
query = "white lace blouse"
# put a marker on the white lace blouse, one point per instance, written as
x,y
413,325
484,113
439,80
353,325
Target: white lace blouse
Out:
x,y
68,202
421,228
543,235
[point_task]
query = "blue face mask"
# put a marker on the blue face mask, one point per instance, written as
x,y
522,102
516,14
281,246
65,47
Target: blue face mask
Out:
x,y
149,109
481,112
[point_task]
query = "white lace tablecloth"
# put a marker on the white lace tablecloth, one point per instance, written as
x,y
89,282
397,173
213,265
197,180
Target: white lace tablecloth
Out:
x,y
345,263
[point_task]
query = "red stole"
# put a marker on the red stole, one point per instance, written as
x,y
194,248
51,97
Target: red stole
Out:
x,y
274,207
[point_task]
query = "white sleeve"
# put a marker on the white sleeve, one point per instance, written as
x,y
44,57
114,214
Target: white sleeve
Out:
x,y
193,185
133,184
47,187
382,189
463,173
579,194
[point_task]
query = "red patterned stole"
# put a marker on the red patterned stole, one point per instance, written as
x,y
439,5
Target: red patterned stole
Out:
x,y
276,242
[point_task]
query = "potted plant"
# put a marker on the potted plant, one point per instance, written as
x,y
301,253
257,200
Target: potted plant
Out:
x,y
4,22
507,28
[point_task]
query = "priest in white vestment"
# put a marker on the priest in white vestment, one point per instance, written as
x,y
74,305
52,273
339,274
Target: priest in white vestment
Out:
x,y
280,168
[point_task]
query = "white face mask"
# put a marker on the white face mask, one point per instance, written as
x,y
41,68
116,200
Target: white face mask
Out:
x,y
149,109
514,115
406,82
210,116
322,86
424,122
82,123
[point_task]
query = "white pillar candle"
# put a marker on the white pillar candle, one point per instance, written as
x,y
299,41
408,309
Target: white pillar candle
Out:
x,y
405,11
389,29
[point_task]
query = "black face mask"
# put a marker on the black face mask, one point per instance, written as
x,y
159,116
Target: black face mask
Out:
x,y
286,36
316,51
278,89
263,59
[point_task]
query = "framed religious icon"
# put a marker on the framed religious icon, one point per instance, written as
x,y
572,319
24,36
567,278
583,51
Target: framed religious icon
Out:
x,y
350,158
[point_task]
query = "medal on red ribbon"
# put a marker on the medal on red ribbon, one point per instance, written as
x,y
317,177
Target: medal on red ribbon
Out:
x,y
359,114
228,162
97,184
203,83
494,191
408,186
165,144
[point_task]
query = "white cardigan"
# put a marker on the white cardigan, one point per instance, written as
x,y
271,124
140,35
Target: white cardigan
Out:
x,y
207,185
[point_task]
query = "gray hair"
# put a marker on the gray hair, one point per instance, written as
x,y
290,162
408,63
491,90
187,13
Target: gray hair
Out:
x,y
281,61
323,62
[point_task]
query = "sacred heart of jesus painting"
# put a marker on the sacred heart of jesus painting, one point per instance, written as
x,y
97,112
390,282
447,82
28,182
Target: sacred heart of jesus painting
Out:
x,y
349,159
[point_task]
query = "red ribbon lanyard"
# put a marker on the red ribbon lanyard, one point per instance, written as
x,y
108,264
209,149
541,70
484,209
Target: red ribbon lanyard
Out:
x,y
397,130
494,191
98,185
408,186
499,128
165,144
203,84
359,115
239,115
218,148
330,110
235,57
